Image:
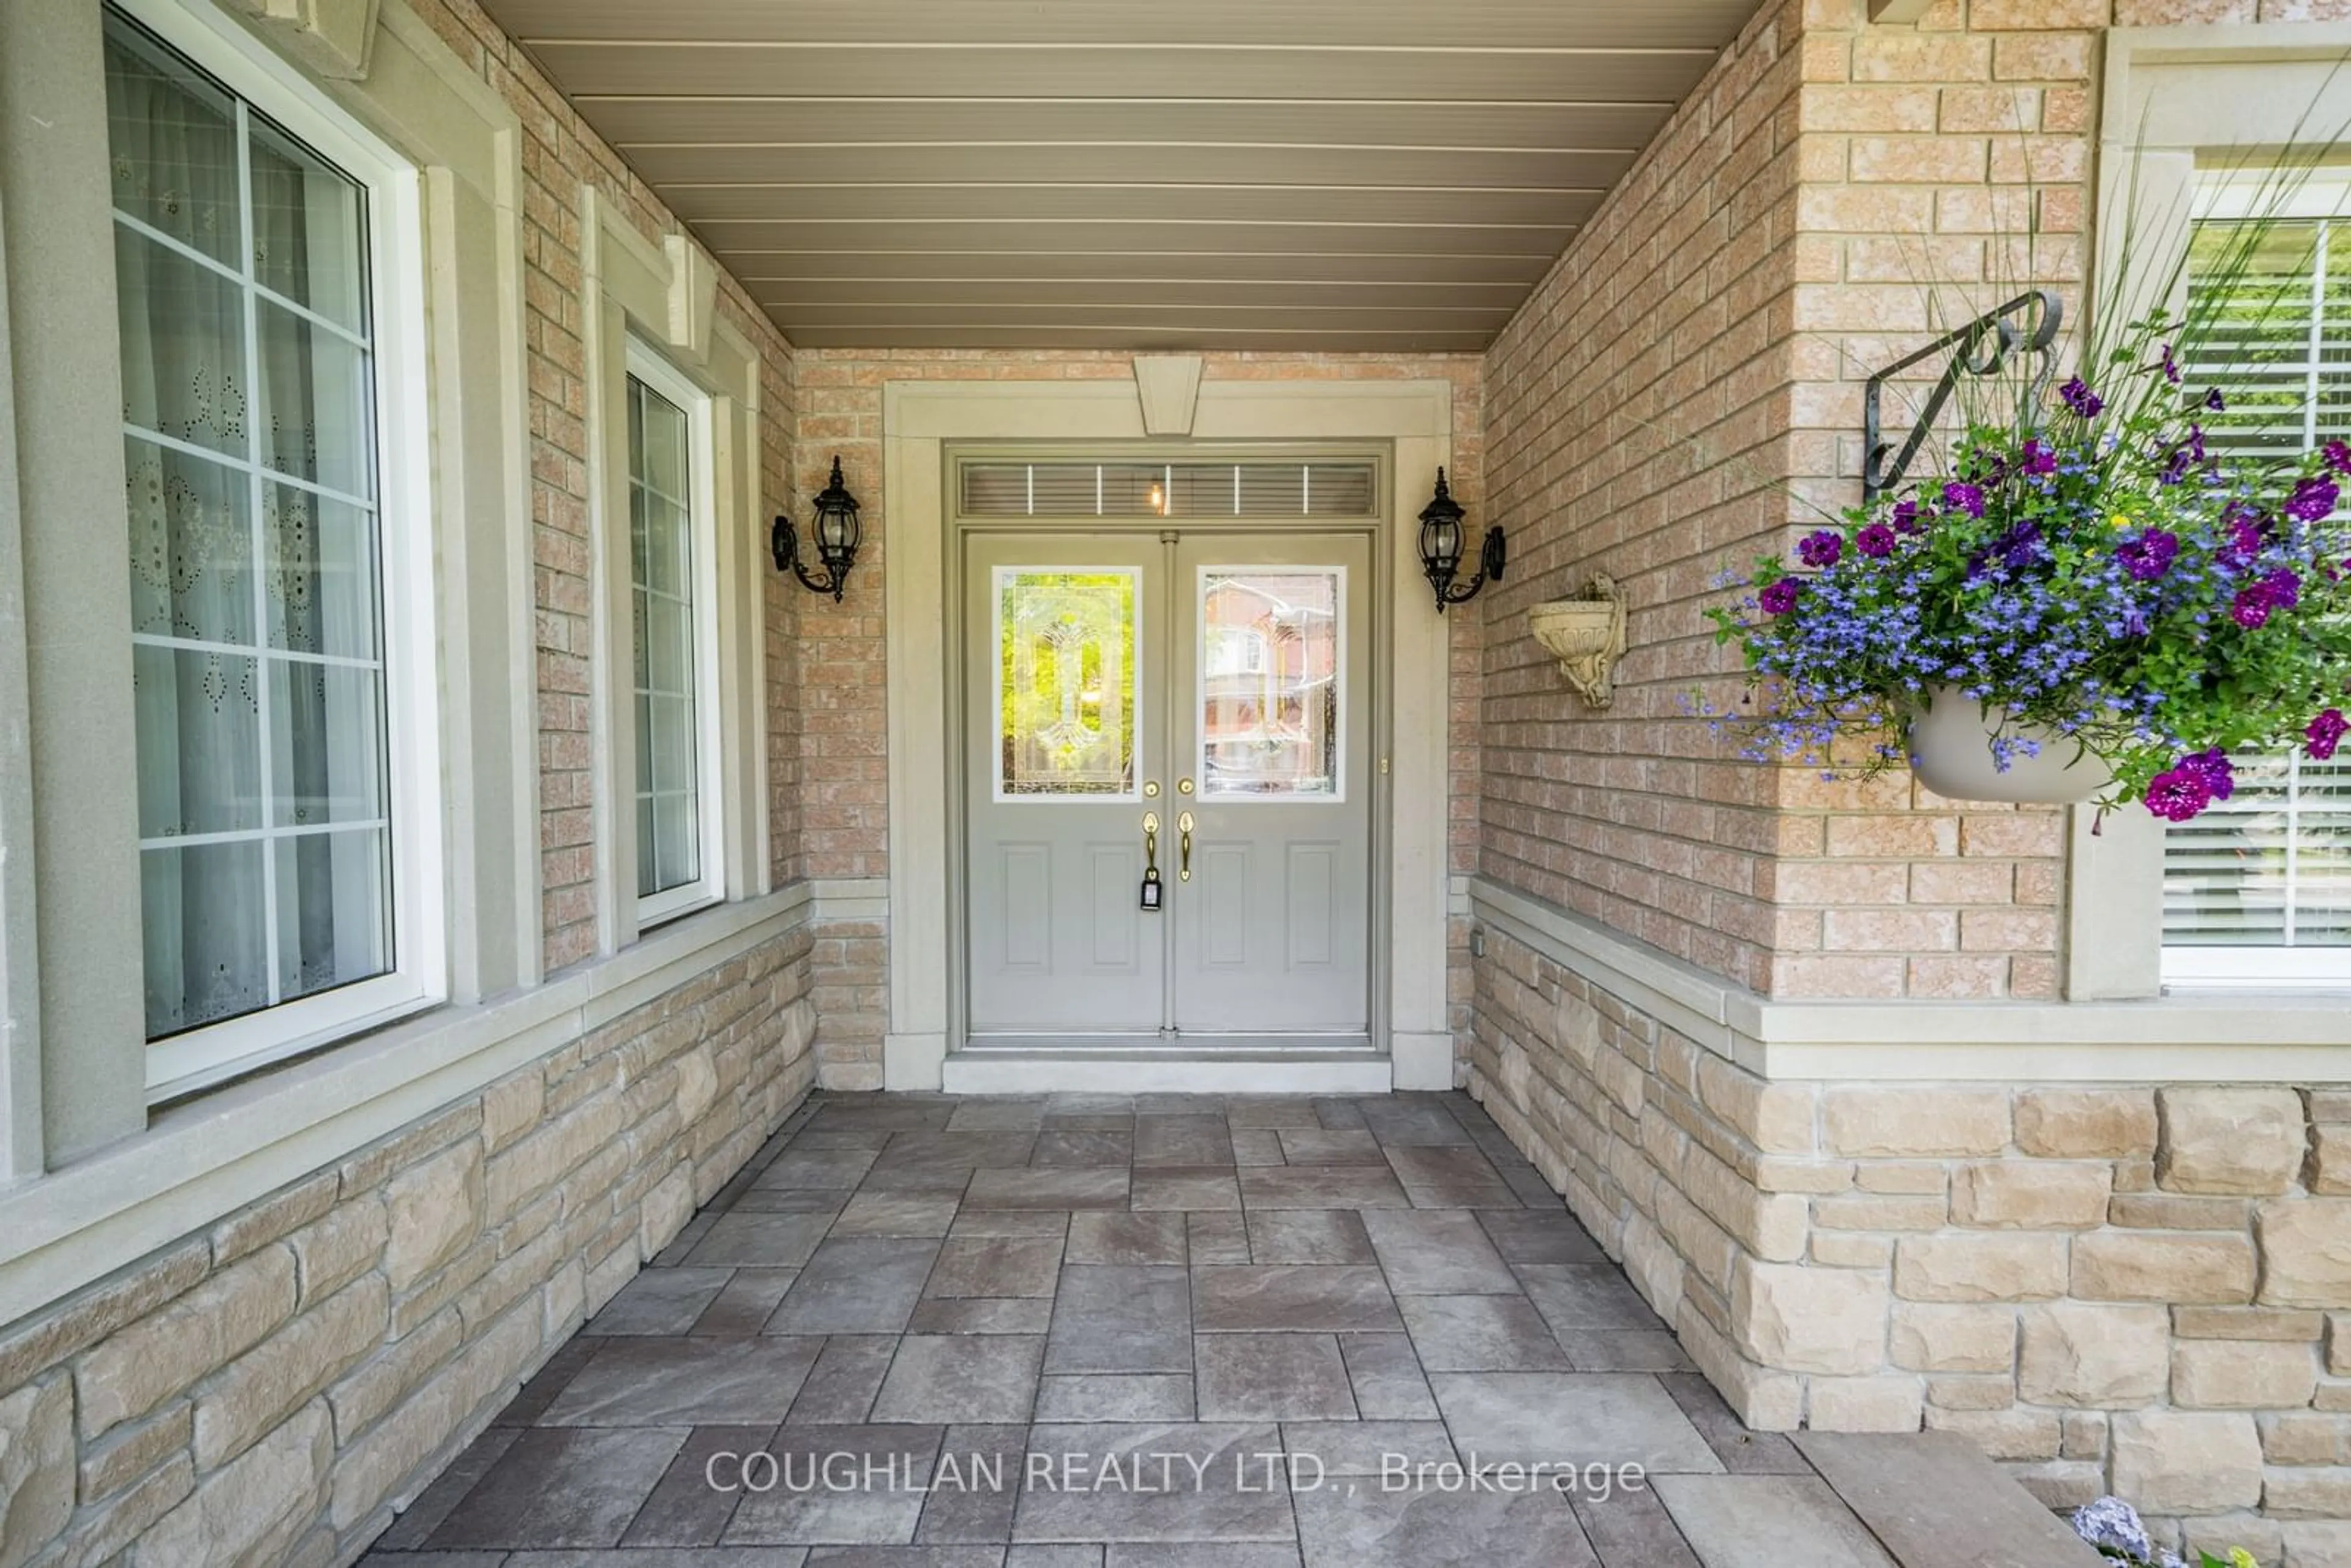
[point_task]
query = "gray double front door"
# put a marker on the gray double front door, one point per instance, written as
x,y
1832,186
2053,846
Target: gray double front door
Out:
x,y
1168,786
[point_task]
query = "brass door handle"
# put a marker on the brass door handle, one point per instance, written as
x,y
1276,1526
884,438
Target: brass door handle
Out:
x,y
1184,864
1150,840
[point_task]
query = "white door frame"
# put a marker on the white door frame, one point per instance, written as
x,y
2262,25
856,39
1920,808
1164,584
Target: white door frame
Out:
x,y
919,419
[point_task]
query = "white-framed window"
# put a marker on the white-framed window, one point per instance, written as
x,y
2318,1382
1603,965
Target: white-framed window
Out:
x,y
674,638
2257,891
270,281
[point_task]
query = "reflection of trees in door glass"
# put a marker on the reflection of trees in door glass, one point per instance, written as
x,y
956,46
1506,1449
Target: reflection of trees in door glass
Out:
x,y
1270,682
1067,715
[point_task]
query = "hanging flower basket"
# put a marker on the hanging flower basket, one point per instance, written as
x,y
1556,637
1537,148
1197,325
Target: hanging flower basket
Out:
x,y
2097,599
1963,751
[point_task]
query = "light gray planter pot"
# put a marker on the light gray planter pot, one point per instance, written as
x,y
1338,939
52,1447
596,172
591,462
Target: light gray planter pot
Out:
x,y
1950,753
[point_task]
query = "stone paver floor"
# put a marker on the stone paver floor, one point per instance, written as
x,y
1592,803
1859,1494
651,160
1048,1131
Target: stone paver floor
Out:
x,y
1084,1331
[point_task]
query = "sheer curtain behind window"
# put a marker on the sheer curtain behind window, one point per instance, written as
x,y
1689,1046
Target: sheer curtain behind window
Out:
x,y
251,508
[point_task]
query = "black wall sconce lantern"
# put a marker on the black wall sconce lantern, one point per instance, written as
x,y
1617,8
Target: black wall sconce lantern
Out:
x,y
837,536
1441,537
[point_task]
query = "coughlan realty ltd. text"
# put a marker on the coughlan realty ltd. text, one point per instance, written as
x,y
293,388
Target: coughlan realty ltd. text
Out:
x,y
1145,1472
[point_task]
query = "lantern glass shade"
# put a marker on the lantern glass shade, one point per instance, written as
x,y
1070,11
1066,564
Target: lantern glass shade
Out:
x,y
1440,543
837,533
1440,530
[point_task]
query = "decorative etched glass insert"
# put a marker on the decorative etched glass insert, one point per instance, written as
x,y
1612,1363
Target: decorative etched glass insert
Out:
x,y
265,823
662,609
1272,645
1069,691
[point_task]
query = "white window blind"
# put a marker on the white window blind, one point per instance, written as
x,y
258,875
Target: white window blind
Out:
x,y
266,818
2258,889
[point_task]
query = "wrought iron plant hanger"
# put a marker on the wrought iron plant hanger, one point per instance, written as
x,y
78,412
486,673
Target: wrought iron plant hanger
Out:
x,y
2027,325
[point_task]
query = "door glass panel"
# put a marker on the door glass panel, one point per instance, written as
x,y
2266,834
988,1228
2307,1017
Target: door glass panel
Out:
x,y
1271,644
1068,698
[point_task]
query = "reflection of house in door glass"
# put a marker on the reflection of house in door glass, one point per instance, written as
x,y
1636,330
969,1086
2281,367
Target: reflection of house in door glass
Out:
x,y
1270,682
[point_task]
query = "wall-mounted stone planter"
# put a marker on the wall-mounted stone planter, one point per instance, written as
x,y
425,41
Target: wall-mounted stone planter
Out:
x,y
1586,634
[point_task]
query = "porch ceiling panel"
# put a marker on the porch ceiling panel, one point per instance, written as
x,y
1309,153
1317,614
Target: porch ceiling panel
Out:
x,y
1309,174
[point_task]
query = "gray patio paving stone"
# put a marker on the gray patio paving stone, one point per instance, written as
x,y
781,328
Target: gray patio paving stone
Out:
x,y
1272,1377
973,1378
1437,1253
563,1487
1309,1236
858,1286
1337,1279
1126,1238
684,1382
1764,1521
662,1301
840,1387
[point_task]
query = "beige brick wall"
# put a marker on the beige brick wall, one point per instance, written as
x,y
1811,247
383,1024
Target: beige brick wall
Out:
x,y
1684,388
2128,1289
561,157
271,1389
1637,413
843,753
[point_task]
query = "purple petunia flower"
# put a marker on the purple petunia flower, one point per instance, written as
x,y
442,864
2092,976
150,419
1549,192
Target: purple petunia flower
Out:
x,y
2213,767
2019,546
2284,588
2078,396
1781,597
2150,555
2039,459
1907,518
2311,499
1820,549
2337,456
2175,794
2248,536
2324,732
1875,541
1968,498
2252,609
2215,401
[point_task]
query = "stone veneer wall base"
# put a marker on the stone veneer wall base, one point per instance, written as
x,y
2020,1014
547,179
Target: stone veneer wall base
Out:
x,y
2136,1289
276,1389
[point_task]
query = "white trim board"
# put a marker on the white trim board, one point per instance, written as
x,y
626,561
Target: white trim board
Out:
x,y
2188,1038
918,419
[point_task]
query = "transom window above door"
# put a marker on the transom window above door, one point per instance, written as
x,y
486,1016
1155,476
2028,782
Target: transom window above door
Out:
x,y
1134,489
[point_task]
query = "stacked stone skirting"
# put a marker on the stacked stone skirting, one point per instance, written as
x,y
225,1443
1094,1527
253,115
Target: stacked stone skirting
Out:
x,y
270,1390
2137,1290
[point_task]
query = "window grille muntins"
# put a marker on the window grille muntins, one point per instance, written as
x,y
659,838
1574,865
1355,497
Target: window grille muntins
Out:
x,y
2258,889
1134,489
662,609
265,820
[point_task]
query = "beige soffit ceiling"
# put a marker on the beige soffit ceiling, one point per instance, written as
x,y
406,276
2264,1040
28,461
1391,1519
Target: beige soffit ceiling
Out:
x,y
1306,175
